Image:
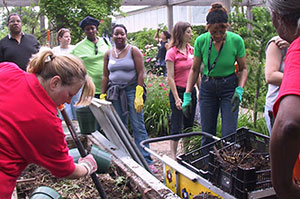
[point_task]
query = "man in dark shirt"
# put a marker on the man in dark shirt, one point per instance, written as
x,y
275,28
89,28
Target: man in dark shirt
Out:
x,y
17,46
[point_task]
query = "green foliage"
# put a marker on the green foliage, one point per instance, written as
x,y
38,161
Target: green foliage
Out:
x,y
157,107
150,53
197,30
69,13
142,38
255,38
30,21
244,120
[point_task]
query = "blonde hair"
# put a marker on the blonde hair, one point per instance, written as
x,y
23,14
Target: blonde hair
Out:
x,y
68,67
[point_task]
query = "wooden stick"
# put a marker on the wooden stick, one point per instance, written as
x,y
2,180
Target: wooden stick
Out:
x,y
26,180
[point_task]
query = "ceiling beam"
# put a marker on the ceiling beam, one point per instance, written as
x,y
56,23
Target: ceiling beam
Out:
x,y
185,2
18,3
144,2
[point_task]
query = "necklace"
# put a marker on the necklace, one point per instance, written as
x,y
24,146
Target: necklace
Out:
x,y
118,53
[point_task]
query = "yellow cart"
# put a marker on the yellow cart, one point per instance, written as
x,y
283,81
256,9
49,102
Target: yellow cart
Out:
x,y
187,181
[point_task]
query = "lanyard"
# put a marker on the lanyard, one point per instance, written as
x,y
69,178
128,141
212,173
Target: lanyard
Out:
x,y
210,67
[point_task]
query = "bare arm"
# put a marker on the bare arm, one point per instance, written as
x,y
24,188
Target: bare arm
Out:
x,y
194,74
139,64
156,36
79,172
105,73
242,72
273,61
171,83
284,147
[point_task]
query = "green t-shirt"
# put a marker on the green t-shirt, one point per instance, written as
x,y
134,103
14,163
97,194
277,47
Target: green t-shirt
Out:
x,y
233,48
93,62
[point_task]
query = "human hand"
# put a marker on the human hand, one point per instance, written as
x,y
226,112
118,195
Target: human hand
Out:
x,y
281,43
178,104
103,96
187,104
237,98
138,101
89,163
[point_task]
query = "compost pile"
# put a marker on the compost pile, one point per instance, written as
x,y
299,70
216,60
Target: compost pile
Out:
x,y
232,157
114,185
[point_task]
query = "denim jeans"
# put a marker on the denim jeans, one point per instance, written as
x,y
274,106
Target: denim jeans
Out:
x,y
179,122
136,121
215,96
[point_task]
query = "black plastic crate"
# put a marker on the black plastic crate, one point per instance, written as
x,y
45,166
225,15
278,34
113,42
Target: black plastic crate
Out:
x,y
235,179
197,160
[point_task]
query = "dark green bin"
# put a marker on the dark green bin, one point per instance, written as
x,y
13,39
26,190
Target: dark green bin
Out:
x,y
87,121
44,192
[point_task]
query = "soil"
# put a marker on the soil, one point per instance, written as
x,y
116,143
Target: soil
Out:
x,y
113,184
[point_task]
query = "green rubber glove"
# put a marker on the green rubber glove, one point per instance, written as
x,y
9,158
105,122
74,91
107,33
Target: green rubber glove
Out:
x,y
237,98
187,104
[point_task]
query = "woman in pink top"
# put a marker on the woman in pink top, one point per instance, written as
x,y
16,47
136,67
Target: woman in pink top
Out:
x,y
179,61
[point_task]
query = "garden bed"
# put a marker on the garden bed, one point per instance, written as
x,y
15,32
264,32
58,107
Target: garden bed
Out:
x,y
115,184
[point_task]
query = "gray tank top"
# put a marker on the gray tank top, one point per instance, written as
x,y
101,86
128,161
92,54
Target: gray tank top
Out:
x,y
273,89
122,71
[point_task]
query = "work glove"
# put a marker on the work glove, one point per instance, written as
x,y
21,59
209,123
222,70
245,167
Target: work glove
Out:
x,y
89,163
187,104
237,98
138,101
102,96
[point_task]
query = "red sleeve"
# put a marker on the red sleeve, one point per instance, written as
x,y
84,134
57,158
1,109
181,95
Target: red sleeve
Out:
x,y
290,83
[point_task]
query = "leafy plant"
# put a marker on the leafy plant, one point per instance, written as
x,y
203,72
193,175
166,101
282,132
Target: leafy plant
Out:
x,y
68,14
157,107
256,33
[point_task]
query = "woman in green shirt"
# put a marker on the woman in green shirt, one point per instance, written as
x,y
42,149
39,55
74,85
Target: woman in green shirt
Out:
x,y
221,85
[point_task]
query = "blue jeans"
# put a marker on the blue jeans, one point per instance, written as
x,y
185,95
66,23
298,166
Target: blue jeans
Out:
x,y
215,96
178,120
136,121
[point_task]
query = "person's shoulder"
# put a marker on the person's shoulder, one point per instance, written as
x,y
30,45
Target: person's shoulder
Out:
x,y
10,67
202,37
80,43
4,39
30,36
173,49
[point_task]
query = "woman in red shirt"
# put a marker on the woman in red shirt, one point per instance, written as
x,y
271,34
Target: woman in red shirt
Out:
x,y
285,137
30,131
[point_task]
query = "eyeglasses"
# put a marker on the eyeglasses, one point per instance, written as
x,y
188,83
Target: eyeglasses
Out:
x,y
14,21
96,49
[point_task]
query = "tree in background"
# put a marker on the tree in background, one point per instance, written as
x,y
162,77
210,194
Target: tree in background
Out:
x,y
255,37
69,13
30,20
